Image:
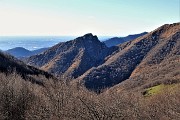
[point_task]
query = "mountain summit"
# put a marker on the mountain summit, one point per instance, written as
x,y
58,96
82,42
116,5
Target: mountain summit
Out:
x,y
72,58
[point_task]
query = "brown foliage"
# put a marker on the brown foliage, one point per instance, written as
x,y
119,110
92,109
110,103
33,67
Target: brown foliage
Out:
x,y
57,100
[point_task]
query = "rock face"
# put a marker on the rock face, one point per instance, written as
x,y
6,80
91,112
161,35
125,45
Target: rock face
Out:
x,y
72,58
119,40
135,57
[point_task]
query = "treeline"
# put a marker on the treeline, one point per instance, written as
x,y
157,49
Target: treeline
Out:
x,y
57,100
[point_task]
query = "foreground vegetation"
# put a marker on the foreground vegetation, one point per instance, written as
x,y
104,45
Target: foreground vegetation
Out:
x,y
57,100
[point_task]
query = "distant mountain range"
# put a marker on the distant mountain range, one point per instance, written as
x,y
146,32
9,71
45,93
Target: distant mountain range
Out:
x,y
97,66
119,40
20,52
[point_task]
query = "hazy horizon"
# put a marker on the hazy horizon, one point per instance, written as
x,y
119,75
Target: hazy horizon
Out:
x,y
36,42
77,17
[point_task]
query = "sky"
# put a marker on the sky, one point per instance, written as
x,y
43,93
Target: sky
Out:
x,y
78,17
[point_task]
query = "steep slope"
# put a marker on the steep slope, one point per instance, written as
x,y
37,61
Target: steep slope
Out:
x,y
133,57
9,64
72,58
161,65
22,52
119,40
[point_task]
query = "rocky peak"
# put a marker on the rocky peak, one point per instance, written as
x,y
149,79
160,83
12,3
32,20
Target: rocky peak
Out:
x,y
90,43
90,38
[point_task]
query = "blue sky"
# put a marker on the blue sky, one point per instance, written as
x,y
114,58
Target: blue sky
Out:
x,y
78,17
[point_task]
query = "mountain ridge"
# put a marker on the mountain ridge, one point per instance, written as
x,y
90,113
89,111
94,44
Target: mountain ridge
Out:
x,y
119,40
72,58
